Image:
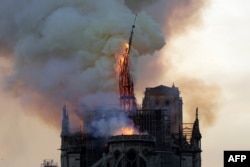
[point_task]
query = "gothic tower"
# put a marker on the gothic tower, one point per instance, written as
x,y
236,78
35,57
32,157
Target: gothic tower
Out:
x,y
196,142
168,100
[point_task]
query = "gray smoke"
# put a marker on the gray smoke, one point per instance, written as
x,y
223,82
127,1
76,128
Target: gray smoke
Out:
x,y
65,51
108,122
174,16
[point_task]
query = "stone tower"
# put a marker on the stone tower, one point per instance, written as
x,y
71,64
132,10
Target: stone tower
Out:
x,y
166,100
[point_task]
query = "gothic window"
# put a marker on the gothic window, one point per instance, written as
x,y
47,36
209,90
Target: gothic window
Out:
x,y
131,155
131,159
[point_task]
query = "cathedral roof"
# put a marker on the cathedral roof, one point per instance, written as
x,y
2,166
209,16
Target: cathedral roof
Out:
x,y
163,89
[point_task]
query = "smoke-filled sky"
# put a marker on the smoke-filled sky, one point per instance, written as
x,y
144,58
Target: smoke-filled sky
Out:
x,y
65,51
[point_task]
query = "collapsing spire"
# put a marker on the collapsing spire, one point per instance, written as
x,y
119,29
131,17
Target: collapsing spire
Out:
x,y
126,85
131,36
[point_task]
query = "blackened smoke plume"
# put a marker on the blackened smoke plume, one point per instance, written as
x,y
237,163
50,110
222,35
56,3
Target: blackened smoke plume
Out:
x,y
64,51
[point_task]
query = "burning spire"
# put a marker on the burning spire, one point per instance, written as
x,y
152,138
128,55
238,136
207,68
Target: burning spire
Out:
x,y
126,85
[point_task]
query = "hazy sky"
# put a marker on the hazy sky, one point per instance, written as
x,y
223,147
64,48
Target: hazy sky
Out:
x,y
216,51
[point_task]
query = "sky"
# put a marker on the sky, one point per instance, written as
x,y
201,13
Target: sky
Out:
x,y
215,50
218,51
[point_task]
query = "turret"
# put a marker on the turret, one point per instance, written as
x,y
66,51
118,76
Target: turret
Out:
x,y
196,142
196,135
65,122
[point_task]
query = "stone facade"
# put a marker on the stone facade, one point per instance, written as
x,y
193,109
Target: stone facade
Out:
x,y
168,141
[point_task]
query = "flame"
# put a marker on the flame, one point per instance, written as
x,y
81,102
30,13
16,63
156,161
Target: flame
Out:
x,y
120,57
121,60
128,130
126,45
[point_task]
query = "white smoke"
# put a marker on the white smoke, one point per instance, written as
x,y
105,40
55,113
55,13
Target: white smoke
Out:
x,y
108,122
64,51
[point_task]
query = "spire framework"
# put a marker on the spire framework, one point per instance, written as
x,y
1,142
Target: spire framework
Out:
x,y
126,85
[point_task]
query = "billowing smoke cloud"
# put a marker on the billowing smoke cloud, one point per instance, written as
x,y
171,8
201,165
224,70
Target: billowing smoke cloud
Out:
x,y
64,51
175,18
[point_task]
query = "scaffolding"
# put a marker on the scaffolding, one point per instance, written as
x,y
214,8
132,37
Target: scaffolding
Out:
x,y
155,122
187,129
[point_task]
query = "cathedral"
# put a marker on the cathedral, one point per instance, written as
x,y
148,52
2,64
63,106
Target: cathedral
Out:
x,y
164,139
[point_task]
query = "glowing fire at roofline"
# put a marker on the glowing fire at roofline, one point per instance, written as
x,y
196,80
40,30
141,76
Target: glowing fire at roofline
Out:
x,y
128,130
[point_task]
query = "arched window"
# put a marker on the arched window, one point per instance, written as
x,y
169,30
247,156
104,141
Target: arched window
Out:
x,y
131,155
131,159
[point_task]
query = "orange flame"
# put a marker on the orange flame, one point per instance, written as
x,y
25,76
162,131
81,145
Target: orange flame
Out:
x,y
120,57
128,130
126,45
